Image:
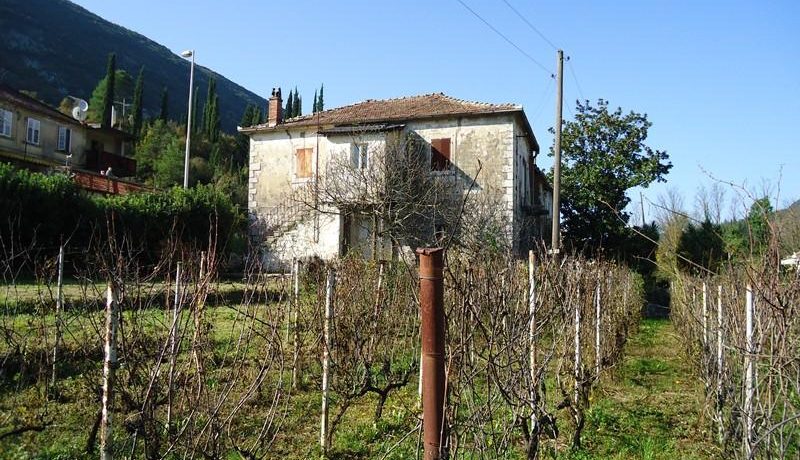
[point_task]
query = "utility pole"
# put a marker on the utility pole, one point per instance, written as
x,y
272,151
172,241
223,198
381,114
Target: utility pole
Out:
x,y
641,202
556,235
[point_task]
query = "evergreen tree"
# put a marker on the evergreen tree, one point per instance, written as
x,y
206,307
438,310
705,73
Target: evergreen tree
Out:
x,y
288,112
247,116
258,116
195,115
297,105
108,98
213,120
208,109
164,115
320,100
137,103
314,106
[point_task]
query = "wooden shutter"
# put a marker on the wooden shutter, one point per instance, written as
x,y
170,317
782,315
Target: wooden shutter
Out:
x,y
440,154
303,162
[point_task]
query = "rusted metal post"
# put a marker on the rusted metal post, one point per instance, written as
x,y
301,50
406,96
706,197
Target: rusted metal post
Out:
x,y
431,300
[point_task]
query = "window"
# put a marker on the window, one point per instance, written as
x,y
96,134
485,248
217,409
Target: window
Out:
x,y
440,154
358,154
32,136
6,117
303,162
64,139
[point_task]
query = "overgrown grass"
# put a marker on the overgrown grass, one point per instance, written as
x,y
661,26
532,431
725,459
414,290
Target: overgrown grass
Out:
x,y
650,407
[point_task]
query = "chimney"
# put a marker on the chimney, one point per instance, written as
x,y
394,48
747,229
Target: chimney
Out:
x,y
275,115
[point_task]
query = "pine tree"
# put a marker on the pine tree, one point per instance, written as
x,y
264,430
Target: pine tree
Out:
x,y
258,116
314,107
289,111
137,103
320,101
164,115
108,98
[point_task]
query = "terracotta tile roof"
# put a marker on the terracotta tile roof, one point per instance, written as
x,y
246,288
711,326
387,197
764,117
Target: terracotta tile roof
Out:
x,y
434,105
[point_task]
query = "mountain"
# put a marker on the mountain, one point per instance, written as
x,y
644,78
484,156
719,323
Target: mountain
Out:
x,y
56,48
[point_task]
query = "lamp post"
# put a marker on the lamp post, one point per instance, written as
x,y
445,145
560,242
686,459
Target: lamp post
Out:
x,y
188,54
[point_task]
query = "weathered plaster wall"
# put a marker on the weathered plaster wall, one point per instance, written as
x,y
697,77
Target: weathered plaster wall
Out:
x,y
495,145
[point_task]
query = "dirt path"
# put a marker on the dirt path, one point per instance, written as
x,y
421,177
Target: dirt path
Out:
x,y
650,408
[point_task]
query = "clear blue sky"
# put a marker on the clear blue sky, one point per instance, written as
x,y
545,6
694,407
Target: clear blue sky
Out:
x,y
720,80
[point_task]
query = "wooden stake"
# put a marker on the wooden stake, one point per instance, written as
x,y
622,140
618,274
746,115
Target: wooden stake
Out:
x,y
330,286
109,368
59,309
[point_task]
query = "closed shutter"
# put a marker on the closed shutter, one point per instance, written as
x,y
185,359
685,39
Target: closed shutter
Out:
x,y
303,162
440,154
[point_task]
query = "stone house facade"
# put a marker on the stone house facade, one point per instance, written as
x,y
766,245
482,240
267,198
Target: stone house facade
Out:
x,y
490,146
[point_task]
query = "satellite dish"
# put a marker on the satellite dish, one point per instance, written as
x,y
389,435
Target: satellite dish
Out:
x,y
79,110
78,114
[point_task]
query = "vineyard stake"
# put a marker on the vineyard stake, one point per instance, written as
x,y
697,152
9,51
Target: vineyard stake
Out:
x,y
597,331
534,399
720,433
109,368
749,389
295,321
431,299
330,286
59,308
577,348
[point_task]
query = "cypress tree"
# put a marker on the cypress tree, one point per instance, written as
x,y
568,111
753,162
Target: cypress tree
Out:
x,y
195,115
258,117
320,101
108,98
213,132
247,116
208,116
296,104
137,103
314,106
164,115
289,111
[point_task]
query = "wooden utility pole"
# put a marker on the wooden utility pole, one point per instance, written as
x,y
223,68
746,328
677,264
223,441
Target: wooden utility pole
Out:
x,y
556,235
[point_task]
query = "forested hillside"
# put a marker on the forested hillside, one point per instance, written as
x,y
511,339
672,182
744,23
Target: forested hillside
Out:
x,y
56,48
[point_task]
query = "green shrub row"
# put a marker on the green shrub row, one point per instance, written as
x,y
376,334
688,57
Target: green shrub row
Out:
x,y
40,211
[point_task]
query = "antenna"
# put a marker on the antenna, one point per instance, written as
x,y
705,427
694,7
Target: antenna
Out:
x,y
79,109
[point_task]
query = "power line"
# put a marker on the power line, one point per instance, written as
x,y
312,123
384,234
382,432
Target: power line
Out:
x,y
524,19
575,78
508,40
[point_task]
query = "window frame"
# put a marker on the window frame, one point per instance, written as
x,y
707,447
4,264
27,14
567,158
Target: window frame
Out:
x,y
67,139
6,122
33,131
359,155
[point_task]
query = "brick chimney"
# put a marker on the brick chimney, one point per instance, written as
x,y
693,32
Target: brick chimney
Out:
x,y
275,115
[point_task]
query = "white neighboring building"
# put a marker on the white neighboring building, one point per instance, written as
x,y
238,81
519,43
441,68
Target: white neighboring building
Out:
x,y
460,136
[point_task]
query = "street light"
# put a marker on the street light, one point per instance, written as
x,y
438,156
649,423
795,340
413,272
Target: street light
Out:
x,y
188,54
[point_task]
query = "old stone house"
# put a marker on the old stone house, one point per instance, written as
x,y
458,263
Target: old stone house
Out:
x,y
490,147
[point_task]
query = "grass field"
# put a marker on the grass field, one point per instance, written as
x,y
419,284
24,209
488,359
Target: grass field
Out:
x,y
650,408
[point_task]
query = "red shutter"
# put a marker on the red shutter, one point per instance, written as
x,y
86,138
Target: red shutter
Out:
x,y
440,154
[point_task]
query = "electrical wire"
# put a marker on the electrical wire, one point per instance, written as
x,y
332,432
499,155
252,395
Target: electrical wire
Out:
x,y
525,20
508,40
575,78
